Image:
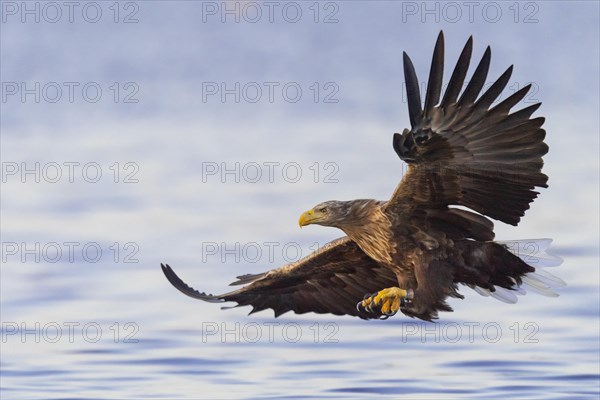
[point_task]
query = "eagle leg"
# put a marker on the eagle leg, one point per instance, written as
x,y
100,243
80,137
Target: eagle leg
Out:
x,y
386,302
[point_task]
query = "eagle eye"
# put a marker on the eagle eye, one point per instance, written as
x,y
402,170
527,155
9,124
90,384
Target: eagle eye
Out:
x,y
323,210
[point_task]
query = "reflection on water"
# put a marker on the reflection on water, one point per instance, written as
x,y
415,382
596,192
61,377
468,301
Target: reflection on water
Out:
x,y
139,343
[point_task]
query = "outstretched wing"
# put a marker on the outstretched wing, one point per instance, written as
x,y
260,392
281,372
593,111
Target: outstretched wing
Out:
x,y
462,151
331,280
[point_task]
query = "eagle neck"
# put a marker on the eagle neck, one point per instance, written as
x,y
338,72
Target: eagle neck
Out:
x,y
370,229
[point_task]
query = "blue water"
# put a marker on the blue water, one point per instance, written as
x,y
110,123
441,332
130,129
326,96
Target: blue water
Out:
x,y
169,346
133,336
105,323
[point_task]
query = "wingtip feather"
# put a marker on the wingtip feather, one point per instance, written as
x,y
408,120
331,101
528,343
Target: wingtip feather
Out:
x,y
184,288
436,72
412,91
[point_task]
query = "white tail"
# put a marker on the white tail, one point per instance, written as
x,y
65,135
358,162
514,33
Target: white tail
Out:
x,y
533,252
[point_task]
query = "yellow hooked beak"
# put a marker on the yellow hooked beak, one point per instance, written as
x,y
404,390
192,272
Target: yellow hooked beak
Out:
x,y
308,217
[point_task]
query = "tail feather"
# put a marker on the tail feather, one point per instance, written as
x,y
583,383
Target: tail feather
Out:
x,y
533,252
547,278
480,290
535,285
504,295
506,269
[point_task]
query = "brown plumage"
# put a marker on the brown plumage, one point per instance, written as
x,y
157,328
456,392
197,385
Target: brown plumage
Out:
x,y
460,151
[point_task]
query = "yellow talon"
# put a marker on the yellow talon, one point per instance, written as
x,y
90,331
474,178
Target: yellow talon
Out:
x,y
385,307
388,299
390,293
396,304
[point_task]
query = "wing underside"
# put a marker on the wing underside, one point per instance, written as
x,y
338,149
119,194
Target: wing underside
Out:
x,y
463,151
331,280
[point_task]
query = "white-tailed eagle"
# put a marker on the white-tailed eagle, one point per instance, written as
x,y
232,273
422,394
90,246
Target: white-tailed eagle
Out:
x,y
410,253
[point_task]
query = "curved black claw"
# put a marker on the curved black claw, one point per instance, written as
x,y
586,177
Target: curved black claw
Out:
x,y
392,313
368,307
368,304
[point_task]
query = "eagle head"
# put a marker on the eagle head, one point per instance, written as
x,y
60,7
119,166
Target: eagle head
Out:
x,y
328,213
